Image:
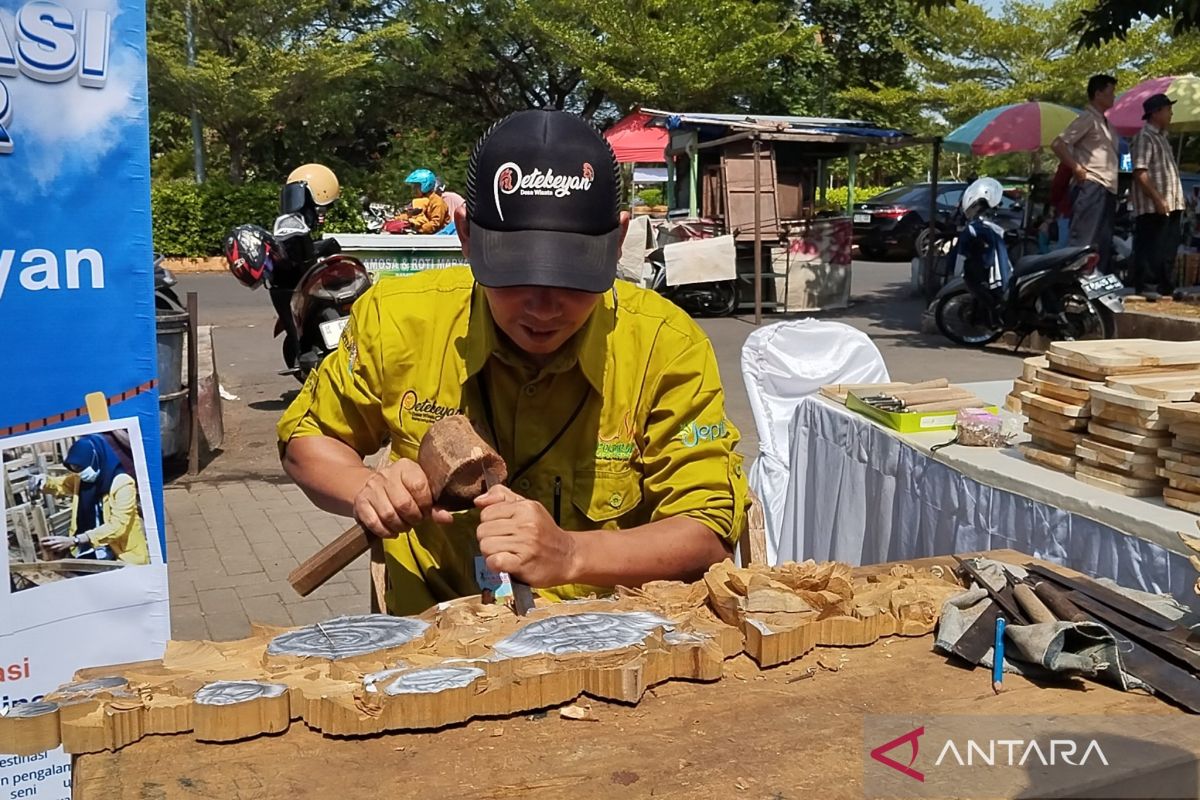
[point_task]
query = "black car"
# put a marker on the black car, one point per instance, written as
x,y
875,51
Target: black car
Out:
x,y
889,223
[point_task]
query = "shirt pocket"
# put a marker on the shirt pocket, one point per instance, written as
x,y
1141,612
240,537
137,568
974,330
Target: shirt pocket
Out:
x,y
605,495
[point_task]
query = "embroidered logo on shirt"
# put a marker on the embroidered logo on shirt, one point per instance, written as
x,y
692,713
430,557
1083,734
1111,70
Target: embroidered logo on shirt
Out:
x,y
693,434
423,410
619,446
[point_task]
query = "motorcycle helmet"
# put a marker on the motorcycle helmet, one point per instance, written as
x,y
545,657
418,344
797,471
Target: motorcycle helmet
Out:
x,y
424,179
982,195
319,180
250,253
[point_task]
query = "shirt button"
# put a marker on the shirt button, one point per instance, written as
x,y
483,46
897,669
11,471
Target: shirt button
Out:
x,y
523,484
615,500
530,389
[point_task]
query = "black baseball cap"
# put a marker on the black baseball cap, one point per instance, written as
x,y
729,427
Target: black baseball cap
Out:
x,y
1153,103
543,196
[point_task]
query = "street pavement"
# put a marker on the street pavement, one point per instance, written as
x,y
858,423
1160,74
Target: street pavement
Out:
x,y
237,529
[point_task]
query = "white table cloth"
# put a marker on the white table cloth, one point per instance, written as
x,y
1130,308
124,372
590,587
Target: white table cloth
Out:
x,y
862,493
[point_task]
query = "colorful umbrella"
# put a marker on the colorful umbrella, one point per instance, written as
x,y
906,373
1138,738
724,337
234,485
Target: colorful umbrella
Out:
x,y
1020,128
1126,115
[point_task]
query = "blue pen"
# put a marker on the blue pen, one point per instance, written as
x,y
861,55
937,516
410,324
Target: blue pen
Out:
x,y
998,657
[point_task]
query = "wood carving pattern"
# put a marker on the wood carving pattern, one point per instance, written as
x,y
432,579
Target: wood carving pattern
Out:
x,y
346,637
86,688
227,693
29,710
433,679
580,633
370,674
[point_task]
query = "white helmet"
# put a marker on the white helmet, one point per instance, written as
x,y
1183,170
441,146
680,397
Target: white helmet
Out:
x,y
983,194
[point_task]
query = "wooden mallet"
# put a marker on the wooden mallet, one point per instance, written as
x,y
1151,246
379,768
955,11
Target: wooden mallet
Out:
x,y
454,459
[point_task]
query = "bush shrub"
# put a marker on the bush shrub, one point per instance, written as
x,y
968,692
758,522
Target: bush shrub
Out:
x,y
192,220
835,198
650,197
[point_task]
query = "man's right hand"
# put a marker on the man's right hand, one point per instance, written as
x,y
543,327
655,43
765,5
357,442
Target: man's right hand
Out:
x,y
1081,173
395,499
1160,206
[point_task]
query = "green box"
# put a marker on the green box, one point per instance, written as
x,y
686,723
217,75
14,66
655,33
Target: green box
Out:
x,y
908,421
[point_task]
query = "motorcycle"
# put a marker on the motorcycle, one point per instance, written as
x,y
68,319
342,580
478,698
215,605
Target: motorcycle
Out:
x,y
312,289
713,299
1057,295
375,215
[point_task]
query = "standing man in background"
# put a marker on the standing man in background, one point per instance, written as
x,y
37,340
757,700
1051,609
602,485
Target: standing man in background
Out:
x,y
1157,201
1088,147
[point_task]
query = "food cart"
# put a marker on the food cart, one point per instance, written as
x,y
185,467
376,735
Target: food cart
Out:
x,y
762,179
391,254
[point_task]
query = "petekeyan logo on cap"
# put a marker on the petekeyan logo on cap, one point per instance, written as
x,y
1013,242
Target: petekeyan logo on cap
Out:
x,y
511,179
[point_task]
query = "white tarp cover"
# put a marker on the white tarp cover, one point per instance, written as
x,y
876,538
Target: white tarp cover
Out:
x,y
781,365
701,261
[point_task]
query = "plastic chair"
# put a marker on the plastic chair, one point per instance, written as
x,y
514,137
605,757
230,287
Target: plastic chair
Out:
x,y
782,364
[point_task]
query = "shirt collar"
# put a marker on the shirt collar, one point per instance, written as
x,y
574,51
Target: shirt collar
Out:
x,y
1097,112
588,348
1150,126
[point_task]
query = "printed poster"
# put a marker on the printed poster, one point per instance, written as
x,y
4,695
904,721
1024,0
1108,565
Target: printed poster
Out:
x,y
84,579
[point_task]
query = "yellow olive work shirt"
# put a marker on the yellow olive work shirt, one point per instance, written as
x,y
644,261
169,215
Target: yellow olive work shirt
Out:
x,y
650,440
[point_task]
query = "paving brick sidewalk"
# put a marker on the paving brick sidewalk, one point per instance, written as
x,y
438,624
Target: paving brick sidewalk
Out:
x,y
230,547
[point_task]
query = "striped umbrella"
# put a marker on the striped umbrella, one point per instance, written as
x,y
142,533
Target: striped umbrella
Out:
x,y
1126,114
1020,128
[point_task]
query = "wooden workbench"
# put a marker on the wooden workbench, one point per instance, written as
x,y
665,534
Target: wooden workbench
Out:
x,y
753,734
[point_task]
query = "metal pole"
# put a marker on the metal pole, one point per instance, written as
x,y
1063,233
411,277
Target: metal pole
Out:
x,y
197,127
193,351
757,233
850,176
931,249
694,180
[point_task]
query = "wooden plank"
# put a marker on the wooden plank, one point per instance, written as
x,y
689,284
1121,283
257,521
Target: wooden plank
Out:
x,y
1114,481
1125,418
1119,457
1073,368
1188,430
1184,501
1125,399
1181,412
1047,457
1167,386
1182,468
1189,442
1114,476
1141,442
1066,381
1031,365
1180,480
1061,393
1126,353
1064,441
1175,454
1055,406
1091,457
1052,420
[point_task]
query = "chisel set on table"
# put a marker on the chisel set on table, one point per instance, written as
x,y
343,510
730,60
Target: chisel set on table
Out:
x,y
948,398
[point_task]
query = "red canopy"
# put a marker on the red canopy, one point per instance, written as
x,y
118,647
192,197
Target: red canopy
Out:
x,y
632,141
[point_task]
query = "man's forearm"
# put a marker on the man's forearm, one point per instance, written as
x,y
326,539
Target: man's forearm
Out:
x,y
328,470
1064,154
670,549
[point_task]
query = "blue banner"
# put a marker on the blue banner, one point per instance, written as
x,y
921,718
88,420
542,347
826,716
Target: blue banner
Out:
x,y
79,411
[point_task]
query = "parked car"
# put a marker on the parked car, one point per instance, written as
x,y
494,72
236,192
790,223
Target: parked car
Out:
x,y
890,223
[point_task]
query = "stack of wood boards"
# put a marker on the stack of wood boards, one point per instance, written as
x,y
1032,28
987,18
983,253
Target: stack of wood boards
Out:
x,y
1180,466
1024,383
1058,412
1096,409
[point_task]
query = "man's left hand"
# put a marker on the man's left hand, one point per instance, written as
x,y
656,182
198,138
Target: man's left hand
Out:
x,y
518,536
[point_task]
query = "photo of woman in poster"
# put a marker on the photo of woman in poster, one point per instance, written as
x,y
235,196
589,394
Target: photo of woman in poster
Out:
x,y
105,521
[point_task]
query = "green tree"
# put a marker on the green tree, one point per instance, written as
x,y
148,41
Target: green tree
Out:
x,y
274,80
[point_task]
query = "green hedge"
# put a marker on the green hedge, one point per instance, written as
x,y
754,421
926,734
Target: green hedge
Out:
x,y
835,198
192,220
